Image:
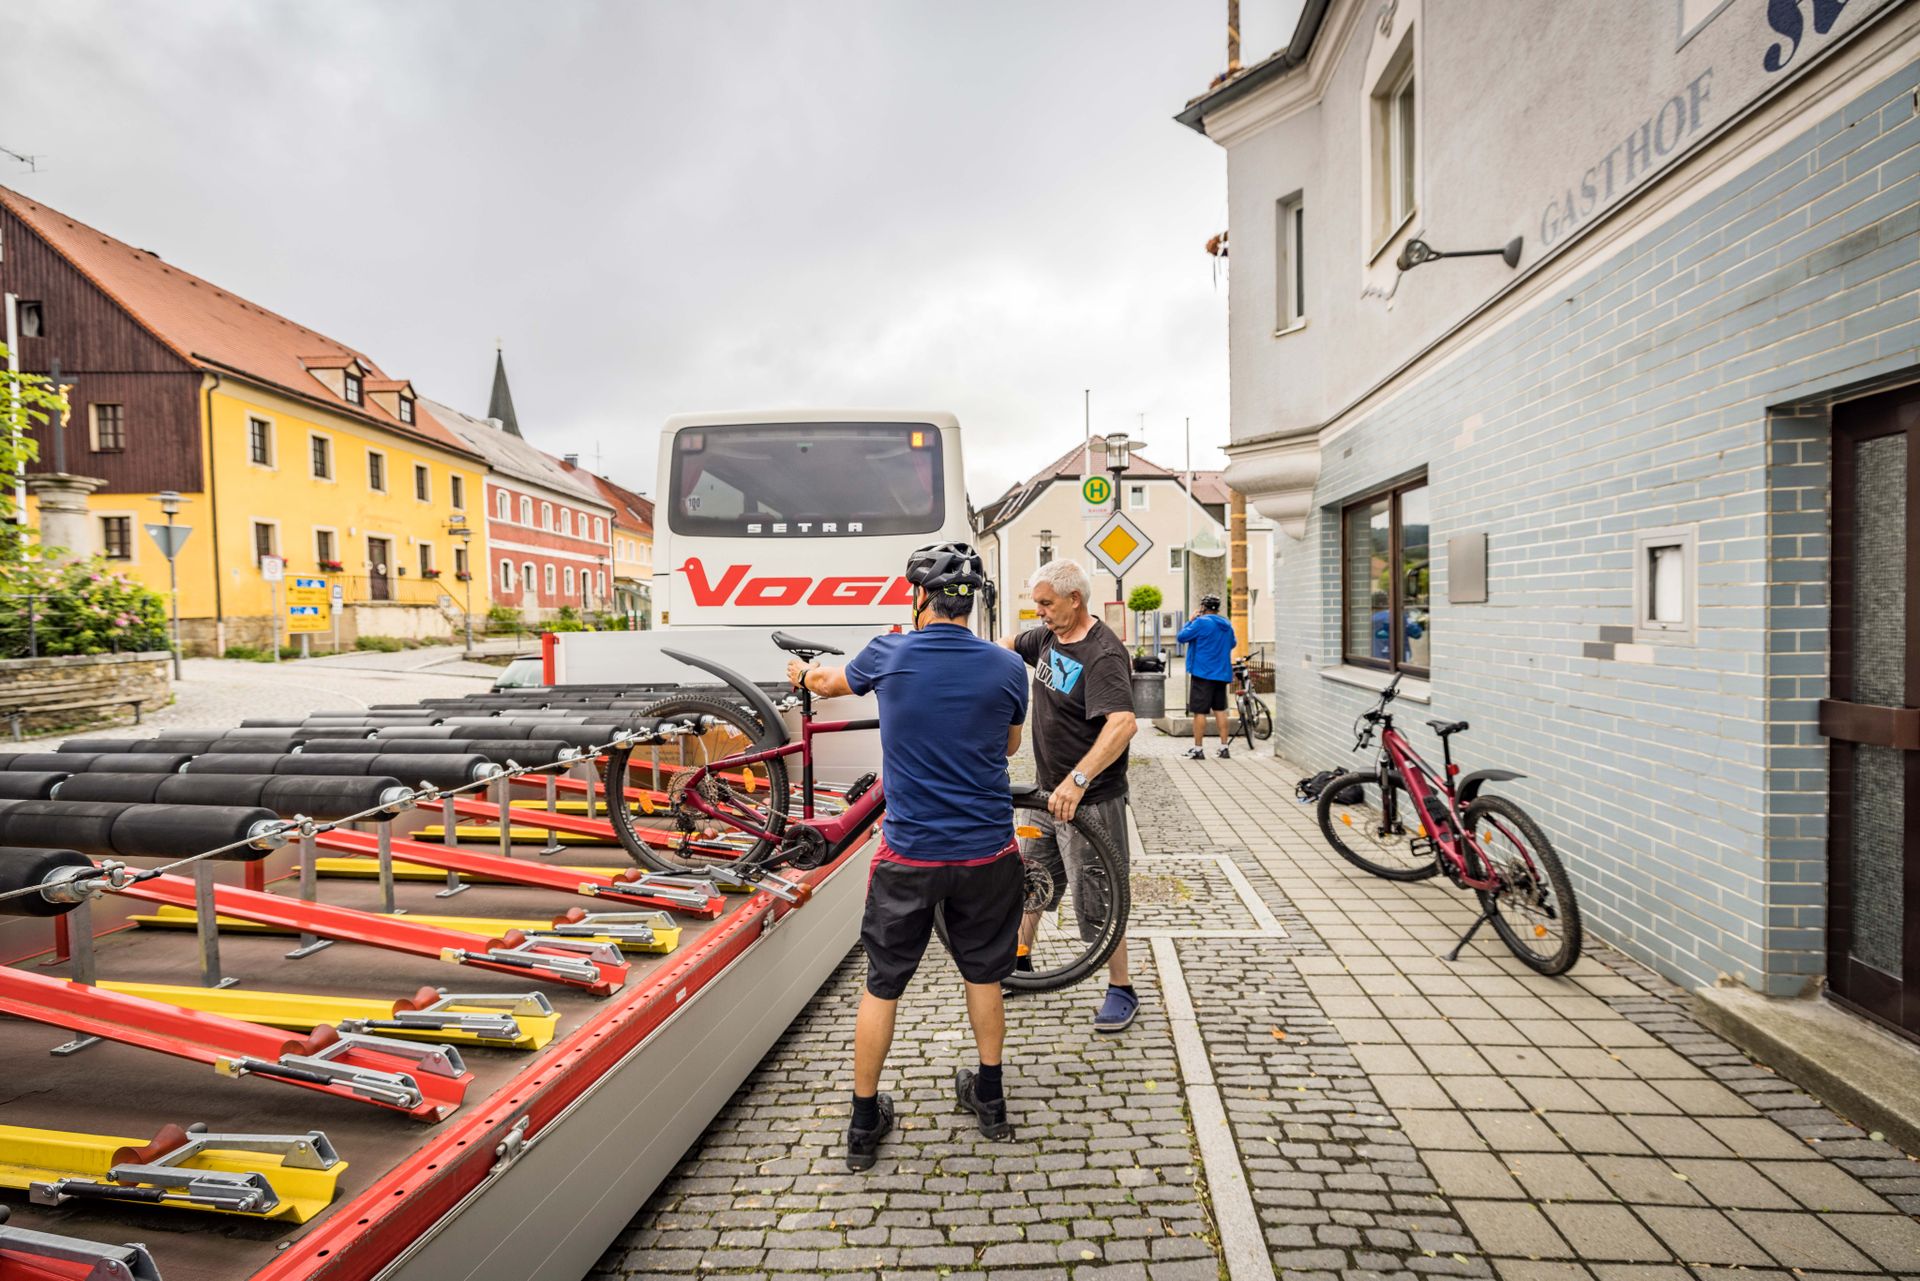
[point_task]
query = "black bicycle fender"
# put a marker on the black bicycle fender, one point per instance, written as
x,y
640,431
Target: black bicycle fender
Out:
x,y
775,734
1471,784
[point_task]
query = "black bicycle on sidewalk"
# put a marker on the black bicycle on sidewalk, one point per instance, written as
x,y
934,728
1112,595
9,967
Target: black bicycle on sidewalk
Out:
x,y
716,801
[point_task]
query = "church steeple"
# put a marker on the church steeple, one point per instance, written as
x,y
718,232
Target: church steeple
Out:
x,y
501,404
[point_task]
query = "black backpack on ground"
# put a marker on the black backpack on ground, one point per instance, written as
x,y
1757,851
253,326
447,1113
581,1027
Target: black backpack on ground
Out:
x,y
1309,789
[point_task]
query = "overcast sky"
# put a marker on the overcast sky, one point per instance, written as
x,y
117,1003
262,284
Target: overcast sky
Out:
x,y
980,206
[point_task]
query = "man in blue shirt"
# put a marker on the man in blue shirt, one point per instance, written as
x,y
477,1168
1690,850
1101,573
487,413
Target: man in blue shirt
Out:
x,y
1209,639
951,707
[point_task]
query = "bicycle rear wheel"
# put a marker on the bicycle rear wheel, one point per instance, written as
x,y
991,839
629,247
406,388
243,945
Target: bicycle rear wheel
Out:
x,y
1262,721
1062,911
1378,833
1246,714
646,788
1534,912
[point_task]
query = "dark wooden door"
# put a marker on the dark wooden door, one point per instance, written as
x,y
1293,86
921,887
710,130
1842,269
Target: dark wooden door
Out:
x,y
379,565
1873,718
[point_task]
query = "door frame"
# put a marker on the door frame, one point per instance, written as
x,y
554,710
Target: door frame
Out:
x,y
1891,1000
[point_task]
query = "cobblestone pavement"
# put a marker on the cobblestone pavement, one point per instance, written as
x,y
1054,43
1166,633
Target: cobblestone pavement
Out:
x,y
1309,1092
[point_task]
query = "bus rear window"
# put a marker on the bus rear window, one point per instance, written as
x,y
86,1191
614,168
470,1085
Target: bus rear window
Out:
x,y
807,480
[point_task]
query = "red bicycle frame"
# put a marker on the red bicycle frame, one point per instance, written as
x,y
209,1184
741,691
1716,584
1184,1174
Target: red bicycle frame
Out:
x,y
1418,780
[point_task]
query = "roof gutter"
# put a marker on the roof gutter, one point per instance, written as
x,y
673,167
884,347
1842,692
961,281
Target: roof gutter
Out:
x,y
1262,74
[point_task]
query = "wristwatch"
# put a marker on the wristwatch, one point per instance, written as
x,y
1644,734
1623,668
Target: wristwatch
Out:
x,y
1079,780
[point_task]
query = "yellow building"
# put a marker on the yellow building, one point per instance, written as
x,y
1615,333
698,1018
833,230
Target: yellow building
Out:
x,y
632,545
280,441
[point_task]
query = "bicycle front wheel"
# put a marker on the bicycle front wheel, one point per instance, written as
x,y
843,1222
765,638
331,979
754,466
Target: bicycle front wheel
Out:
x,y
1262,721
647,786
1072,919
1376,832
1246,713
1533,911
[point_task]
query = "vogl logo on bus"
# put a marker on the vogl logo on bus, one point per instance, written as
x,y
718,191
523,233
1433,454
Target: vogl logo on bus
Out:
x,y
850,590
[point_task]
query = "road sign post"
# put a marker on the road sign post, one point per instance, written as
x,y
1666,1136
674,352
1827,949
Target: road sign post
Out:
x,y
308,607
170,538
1117,546
274,570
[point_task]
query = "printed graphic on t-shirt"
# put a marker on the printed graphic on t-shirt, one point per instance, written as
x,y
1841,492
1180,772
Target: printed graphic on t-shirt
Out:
x,y
1060,674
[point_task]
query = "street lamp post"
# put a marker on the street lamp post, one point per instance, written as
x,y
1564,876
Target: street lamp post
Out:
x,y
170,507
1117,447
458,527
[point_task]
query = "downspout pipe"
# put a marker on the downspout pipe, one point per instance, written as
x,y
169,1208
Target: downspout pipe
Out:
x,y
213,520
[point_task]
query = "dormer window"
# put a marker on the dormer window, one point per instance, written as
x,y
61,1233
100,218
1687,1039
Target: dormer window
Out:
x,y
406,410
353,387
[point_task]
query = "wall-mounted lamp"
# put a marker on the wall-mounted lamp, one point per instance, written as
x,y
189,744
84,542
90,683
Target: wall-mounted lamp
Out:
x,y
1415,252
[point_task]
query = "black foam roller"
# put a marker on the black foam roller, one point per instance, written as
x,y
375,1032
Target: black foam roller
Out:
x,y
20,868
86,826
417,731
126,789
140,763
172,831
322,798
98,744
84,762
496,751
22,785
251,745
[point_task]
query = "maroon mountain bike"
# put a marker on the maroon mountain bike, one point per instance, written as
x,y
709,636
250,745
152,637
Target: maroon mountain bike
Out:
x,y
1404,822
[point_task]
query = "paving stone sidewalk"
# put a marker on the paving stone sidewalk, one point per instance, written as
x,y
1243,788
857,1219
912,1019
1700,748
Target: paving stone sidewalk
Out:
x,y
1389,1114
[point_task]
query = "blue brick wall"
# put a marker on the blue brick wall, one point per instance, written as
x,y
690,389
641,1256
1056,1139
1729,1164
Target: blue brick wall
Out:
x,y
1686,381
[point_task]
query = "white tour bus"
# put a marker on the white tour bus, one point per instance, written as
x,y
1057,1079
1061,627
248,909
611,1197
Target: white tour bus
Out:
x,y
792,520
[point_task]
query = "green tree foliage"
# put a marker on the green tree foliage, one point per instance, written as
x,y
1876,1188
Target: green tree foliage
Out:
x,y
1144,598
27,402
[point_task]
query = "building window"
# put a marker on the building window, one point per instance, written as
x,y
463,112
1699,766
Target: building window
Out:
x,y
526,510
547,578
376,472
1290,254
546,515
260,441
566,522
506,575
1176,559
33,320
1137,497
528,580
323,547
266,539
109,429
422,483
116,537
406,410
600,583
322,458
459,561
1664,586
1395,146
1387,580
353,387
457,492
569,580
426,559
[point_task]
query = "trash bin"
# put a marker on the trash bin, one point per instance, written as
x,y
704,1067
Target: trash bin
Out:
x,y
1149,695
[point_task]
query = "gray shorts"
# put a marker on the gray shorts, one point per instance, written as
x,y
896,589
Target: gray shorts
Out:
x,y
1063,853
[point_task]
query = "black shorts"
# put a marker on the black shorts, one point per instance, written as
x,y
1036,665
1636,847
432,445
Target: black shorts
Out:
x,y
1205,696
983,919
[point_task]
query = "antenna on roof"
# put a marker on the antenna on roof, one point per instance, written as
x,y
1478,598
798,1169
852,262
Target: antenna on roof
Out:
x,y
598,468
31,162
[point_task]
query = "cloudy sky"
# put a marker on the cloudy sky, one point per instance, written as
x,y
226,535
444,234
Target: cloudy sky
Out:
x,y
980,206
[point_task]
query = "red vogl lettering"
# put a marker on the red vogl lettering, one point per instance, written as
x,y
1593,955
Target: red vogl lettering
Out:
x,y
706,593
846,591
773,591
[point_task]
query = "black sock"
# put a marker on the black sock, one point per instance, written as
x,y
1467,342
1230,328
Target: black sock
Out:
x,y
866,1111
986,1085
1122,987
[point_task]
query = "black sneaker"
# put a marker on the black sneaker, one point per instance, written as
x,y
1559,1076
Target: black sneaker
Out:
x,y
1196,753
863,1146
992,1116
1225,754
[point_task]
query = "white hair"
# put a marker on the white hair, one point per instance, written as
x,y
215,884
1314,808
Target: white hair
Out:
x,y
1064,576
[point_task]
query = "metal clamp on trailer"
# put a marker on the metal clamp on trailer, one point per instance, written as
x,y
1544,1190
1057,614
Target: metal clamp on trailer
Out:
x,y
26,1255
263,1176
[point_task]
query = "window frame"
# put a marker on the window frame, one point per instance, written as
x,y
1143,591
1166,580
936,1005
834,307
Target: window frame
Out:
x,y
546,515
1176,560
461,560
429,560
1647,630
526,511
529,579
119,423
331,550
566,522
1395,606
550,580
38,308
567,578
506,575
1290,276
324,443
422,483
457,491
125,522
353,389
406,410
273,539
381,456
260,430
1138,489
1393,195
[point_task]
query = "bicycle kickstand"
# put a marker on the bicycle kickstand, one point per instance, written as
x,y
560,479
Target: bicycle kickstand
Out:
x,y
1468,936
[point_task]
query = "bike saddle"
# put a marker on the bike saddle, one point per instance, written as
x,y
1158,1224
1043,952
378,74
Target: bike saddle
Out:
x,y
1444,728
804,650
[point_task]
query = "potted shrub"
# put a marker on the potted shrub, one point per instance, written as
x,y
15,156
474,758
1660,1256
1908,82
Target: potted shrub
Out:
x,y
428,573
331,566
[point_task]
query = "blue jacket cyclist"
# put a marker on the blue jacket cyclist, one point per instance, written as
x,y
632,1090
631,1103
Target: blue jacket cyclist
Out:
x,y
1209,639
951,707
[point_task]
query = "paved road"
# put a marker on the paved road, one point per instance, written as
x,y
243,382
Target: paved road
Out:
x,y
1310,1091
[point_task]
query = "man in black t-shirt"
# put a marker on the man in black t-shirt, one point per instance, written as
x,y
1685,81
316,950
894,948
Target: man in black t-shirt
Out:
x,y
1082,722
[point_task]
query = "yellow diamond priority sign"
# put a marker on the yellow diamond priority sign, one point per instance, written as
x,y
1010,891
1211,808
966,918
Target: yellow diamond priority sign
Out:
x,y
1118,545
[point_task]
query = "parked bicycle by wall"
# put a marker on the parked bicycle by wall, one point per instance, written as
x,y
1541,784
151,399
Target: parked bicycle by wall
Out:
x,y
1411,823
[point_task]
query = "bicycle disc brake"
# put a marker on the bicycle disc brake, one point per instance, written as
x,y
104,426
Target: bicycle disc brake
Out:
x,y
1038,887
